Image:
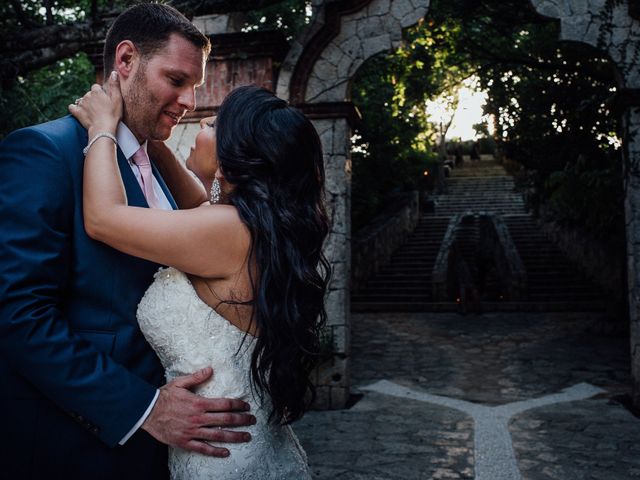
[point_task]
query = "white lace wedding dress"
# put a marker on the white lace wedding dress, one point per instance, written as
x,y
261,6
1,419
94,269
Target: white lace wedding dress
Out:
x,y
188,335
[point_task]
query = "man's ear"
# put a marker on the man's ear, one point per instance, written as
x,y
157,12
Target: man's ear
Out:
x,y
126,59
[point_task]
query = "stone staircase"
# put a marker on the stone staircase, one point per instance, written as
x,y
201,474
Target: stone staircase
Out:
x,y
481,186
553,282
406,280
404,284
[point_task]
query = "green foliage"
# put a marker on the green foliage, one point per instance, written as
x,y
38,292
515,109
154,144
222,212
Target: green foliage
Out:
x,y
62,11
45,94
397,139
549,100
581,195
289,17
389,154
34,13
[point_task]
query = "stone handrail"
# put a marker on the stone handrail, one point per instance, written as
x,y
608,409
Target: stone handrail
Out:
x,y
510,268
495,243
441,267
374,244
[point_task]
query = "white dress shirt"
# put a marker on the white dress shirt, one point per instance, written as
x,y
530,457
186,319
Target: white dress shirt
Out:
x,y
129,145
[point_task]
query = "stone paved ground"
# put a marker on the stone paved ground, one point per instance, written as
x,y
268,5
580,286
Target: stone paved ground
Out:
x,y
491,359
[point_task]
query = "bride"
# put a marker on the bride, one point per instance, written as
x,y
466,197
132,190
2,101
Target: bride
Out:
x,y
244,289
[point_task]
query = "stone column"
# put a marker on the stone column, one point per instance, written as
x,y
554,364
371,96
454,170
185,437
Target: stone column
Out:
x,y
333,123
632,216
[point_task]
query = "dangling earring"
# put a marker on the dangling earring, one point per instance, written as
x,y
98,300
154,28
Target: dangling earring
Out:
x,y
216,191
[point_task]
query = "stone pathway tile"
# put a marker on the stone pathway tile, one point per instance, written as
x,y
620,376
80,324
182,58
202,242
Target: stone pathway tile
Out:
x,y
388,438
593,439
490,360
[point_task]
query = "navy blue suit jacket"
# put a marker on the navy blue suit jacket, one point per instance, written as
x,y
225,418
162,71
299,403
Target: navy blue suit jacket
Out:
x,y
76,372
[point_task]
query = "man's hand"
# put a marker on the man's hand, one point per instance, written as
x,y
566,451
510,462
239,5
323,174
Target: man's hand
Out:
x,y
183,419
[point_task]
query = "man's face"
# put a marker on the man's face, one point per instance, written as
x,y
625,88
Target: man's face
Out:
x,y
162,89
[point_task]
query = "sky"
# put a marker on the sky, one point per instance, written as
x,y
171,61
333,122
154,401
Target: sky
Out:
x,y
468,113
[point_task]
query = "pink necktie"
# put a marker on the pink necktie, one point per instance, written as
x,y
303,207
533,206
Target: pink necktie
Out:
x,y
141,160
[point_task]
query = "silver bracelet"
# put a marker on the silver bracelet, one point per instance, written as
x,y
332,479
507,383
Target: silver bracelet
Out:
x,y
96,137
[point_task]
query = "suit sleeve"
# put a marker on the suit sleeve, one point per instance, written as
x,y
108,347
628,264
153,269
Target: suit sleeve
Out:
x,y
36,225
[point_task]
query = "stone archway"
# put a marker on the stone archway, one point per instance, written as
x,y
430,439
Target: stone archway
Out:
x,y
316,75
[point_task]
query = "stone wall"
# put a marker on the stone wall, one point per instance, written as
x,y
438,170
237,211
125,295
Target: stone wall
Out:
x,y
374,28
441,280
632,216
373,246
601,262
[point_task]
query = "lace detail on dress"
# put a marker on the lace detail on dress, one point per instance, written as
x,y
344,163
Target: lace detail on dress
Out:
x,y
188,335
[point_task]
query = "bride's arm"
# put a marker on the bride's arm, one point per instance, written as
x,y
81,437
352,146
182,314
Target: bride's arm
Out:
x,y
210,241
187,191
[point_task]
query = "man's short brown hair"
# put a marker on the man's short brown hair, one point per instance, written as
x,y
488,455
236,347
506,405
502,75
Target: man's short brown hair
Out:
x,y
149,26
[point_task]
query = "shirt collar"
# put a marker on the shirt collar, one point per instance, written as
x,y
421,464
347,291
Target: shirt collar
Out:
x,y
127,141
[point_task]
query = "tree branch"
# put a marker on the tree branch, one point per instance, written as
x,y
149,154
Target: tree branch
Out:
x,y
490,53
192,8
38,45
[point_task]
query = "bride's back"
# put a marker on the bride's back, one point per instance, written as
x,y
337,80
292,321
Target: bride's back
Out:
x,y
187,334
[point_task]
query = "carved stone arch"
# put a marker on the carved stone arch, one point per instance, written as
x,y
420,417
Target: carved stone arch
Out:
x,y
606,25
346,34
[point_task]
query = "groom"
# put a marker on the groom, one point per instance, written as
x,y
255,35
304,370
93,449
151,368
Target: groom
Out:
x,y
80,395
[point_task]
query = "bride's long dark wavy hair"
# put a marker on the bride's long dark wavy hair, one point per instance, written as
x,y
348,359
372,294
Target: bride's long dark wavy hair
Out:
x,y
271,154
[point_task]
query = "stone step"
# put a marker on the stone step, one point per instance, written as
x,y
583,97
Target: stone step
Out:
x,y
410,282
506,306
390,298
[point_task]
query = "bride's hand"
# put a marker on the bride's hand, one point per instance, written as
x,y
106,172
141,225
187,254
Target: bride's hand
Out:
x,y
100,109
